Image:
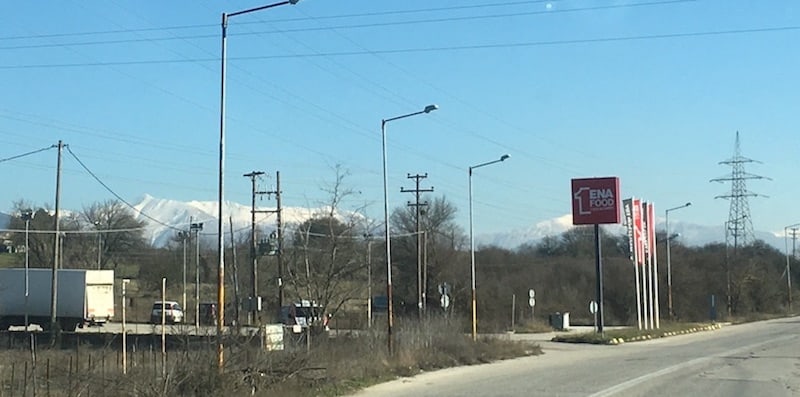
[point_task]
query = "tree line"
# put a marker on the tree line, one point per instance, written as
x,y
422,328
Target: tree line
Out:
x,y
334,257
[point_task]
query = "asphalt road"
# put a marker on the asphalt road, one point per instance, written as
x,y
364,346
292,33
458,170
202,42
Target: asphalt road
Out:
x,y
756,359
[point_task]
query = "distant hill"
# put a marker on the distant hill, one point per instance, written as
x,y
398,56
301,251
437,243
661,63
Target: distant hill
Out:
x,y
689,234
176,215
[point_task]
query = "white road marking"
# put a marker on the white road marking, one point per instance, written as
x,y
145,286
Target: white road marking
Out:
x,y
644,378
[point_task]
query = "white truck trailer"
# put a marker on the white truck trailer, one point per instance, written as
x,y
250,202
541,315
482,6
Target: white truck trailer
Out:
x,y
85,297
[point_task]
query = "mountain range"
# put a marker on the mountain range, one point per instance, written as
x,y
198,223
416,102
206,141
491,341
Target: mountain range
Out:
x,y
164,218
174,212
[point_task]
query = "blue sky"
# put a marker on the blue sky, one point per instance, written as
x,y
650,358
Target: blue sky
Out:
x,y
650,91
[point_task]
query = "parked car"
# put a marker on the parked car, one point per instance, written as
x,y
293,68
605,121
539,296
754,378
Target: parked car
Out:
x,y
173,313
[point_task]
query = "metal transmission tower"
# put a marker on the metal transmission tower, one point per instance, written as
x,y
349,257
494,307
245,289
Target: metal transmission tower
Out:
x,y
739,227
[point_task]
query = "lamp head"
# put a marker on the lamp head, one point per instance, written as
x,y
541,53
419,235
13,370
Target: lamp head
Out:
x,y
428,108
27,215
688,204
293,1
504,157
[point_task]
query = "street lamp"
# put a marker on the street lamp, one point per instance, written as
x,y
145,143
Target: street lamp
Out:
x,y
125,282
389,321
220,229
788,266
669,263
196,228
472,246
183,235
27,216
99,243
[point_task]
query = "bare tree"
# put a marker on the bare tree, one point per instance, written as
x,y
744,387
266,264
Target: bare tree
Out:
x,y
326,262
118,233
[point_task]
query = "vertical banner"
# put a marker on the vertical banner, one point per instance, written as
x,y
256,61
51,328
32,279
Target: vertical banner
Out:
x,y
639,255
647,227
637,232
651,219
627,206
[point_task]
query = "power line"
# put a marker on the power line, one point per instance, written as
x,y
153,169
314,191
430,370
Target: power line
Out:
x,y
92,174
422,49
26,154
351,26
342,16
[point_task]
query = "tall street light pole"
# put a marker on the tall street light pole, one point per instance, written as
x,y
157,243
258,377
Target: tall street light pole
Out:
x,y
196,228
669,263
99,243
220,228
788,266
183,234
389,320
472,247
27,216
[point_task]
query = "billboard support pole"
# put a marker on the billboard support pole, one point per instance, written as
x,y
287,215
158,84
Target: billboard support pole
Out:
x,y
599,270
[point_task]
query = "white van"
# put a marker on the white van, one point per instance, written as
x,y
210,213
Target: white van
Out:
x,y
173,313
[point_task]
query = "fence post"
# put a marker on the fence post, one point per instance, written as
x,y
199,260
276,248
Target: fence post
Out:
x,y
25,380
69,378
13,371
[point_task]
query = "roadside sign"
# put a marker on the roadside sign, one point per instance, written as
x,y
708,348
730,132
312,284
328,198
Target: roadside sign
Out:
x,y
595,201
531,293
532,302
592,307
444,301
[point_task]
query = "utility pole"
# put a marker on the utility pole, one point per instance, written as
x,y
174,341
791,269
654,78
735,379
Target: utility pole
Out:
x,y
280,239
417,204
253,312
279,236
739,219
54,280
739,227
789,269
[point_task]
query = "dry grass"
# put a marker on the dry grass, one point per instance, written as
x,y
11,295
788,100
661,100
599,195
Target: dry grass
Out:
x,y
332,366
533,327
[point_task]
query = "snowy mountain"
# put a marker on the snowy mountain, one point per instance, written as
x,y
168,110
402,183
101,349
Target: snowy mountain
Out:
x,y
165,218
173,216
689,233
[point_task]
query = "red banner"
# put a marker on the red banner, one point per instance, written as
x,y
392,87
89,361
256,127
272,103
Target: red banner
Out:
x,y
638,235
651,227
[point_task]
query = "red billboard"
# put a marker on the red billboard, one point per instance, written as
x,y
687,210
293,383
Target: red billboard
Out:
x,y
595,201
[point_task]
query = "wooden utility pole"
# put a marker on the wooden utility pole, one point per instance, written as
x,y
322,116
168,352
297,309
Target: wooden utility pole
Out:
x,y
417,205
280,239
57,226
253,308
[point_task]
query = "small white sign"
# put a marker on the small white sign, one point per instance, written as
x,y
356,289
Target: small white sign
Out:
x,y
532,302
592,307
445,301
531,293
